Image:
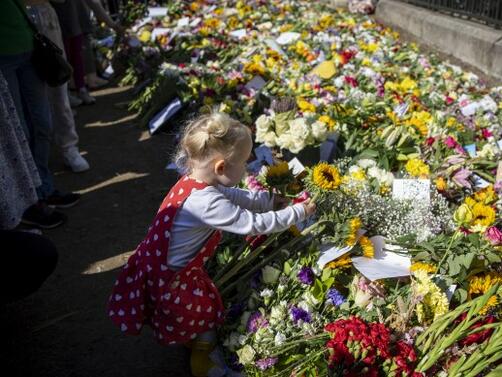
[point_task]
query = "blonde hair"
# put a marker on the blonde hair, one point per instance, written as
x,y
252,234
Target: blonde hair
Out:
x,y
209,134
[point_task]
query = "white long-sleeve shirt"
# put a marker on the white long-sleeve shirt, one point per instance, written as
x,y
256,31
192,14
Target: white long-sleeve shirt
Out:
x,y
229,209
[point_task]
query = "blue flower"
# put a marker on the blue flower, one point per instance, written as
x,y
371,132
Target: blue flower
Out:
x,y
300,314
306,275
335,297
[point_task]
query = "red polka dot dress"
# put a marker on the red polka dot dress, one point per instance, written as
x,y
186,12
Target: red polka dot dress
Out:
x,y
178,305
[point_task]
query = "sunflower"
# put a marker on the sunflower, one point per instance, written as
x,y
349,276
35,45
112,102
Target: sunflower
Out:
x,y
326,176
483,216
367,246
480,284
491,303
278,170
343,262
486,195
427,267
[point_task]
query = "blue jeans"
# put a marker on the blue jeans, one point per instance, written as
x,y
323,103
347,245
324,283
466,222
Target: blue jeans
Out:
x,y
29,93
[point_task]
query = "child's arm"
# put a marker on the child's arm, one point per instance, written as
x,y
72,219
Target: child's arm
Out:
x,y
256,201
212,208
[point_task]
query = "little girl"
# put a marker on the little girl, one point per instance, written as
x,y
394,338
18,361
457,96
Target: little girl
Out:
x,y
164,283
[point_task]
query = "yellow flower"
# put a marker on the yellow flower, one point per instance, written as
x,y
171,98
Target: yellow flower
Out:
x,y
486,195
483,216
305,106
384,190
293,229
491,303
463,215
480,284
255,68
441,184
327,121
420,120
358,175
278,170
343,262
326,176
367,246
194,6
286,27
427,267
354,226
433,303
417,168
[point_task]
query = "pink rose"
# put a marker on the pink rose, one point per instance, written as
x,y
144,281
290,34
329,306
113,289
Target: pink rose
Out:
x,y
486,133
494,235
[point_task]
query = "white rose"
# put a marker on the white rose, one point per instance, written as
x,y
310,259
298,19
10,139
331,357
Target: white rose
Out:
x,y
286,141
387,179
270,274
246,355
270,139
319,130
366,163
263,123
374,172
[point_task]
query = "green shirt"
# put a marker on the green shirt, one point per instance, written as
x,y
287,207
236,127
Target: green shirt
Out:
x,y
16,36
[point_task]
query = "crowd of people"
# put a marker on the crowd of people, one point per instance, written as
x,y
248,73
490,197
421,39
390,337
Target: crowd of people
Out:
x,y
35,117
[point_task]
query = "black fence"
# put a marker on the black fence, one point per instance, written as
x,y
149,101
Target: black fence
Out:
x,y
485,11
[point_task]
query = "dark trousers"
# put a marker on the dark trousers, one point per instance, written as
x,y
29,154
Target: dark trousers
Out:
x,y
27,260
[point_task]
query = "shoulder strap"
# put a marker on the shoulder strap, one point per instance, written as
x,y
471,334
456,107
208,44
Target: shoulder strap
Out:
x,y
26,17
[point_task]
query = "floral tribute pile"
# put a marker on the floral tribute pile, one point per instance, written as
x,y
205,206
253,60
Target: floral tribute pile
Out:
x,y
399,272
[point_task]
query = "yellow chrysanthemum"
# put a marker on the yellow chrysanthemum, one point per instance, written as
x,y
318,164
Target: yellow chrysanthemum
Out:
x,y
420,120
305,106
427,267
327,121
417,168
434,302
441,184
326,176
342,262
480,284
367,246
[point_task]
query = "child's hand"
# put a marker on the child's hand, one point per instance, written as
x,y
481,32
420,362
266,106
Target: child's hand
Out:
x,y
280,202
310,207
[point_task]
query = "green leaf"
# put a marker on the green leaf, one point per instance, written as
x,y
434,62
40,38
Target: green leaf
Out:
x,y
326,274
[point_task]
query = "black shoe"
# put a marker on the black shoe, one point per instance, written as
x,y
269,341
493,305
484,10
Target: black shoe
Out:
x,y
42,216
63,200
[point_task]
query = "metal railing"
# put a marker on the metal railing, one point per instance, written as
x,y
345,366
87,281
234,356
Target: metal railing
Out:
x,y
488,12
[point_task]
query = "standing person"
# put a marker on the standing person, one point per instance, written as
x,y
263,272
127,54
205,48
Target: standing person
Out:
x,y
29,94
92,79
164,283
65,132
73,39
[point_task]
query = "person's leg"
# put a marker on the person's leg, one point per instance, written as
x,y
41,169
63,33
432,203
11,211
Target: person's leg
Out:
x,y
30,258
73,48
38,117
91,77
9,66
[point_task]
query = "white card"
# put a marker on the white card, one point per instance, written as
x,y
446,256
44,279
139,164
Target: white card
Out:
x,y
401,109
386,265
159,31
109,71
162,116
263,153
480,182
471,149
182,22
330,252
296,166
287,38
256,83
411,189
274,46
450,291
140,24
195,22
499,143
238,34
157,11
486,103
498,177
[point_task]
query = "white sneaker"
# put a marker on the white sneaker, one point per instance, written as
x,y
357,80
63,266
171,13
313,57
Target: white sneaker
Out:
x,y
74,101
84,95
73,159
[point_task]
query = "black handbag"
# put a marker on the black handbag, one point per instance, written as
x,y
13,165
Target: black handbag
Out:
x,y
47,57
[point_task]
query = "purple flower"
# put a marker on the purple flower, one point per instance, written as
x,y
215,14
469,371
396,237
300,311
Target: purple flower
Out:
x,y
306,275
264,364
255,322
300,314
335,297
461,177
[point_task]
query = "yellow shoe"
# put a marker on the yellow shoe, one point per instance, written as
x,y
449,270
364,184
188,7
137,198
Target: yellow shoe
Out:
x,y
200,363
